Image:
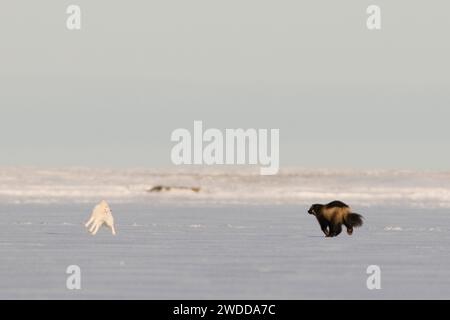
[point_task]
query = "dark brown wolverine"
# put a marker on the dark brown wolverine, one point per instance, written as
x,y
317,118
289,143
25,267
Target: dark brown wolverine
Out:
x,y
333,215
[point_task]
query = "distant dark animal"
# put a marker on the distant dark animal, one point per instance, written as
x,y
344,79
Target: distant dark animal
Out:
x,y
160,188
333,215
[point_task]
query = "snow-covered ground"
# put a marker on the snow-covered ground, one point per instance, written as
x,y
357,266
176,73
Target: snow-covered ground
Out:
x,y
232,243
225,185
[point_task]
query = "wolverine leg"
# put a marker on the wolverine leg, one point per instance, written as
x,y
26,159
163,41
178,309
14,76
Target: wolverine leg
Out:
x,y
337,229
331,231
324,226
349,229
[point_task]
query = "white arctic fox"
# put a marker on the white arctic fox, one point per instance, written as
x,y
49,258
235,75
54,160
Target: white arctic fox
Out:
x,y
101,215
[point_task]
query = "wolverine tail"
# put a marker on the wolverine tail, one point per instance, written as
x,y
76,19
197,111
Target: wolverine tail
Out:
x,y
354,220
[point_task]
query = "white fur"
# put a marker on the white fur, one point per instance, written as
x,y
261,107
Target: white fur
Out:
x,y
101,215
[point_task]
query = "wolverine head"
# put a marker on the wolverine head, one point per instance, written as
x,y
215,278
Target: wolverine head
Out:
x,y
315,209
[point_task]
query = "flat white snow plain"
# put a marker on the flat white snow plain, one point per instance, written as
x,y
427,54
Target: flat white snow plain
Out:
x,y
227,251
242,236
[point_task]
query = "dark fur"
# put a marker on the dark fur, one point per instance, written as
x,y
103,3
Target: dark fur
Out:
x,y
333,215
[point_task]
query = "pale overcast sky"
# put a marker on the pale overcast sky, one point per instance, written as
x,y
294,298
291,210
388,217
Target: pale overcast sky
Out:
x,y
112,93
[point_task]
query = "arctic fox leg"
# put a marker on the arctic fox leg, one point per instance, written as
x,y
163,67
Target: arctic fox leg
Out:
x,y
94,225
97,226
89,222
